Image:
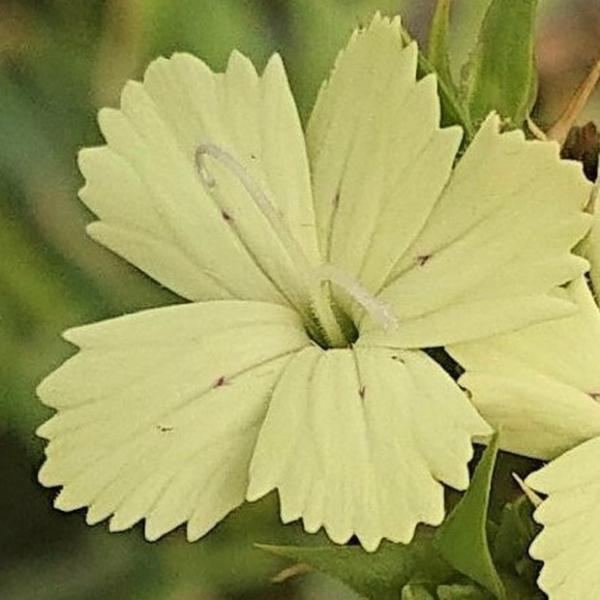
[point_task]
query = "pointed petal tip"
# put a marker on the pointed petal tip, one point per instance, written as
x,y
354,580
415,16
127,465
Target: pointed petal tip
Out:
x,y
45,478
66,501
536,480
154,531
118,523
194,533
44,431
95,515
238,60
339,536
275,63
370,544
257,488
380,22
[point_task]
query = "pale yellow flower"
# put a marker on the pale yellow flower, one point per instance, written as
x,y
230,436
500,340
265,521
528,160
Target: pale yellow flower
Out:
x,y
317,269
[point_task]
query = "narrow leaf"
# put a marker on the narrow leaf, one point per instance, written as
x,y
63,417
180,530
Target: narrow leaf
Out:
x,y
380,575
437,48
462,539
502,72
515,533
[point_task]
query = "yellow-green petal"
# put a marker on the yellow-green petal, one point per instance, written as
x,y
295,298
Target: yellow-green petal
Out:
x,y
569,544
540,386
153,208
496,243
590,248
159,411
359,441
459,253
378,157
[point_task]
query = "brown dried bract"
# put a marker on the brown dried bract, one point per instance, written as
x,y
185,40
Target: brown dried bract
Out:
x,y
583,144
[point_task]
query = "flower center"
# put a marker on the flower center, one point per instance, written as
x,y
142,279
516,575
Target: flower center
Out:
x,y
324,321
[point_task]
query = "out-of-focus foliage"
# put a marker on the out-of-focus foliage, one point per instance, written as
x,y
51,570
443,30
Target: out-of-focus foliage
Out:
x,y
59,62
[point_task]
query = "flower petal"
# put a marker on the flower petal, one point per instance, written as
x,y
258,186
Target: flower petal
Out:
x,y
358,441
496,243
540,386
590,248
378,156
460,255
570,514
145,187
159,412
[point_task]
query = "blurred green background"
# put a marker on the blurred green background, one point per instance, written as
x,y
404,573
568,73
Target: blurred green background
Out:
x,y
60,61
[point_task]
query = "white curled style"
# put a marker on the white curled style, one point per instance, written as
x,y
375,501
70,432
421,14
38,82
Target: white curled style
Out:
x,y
314,277
378,310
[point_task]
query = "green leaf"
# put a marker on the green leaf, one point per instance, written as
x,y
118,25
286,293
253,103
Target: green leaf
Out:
x,y
502,71
515,533
462,539
453,111
380,575
517,588
467,18
437,48
510,549
461,592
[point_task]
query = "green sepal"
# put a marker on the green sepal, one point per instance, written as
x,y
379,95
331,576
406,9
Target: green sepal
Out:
x,y
515,533
501,72
462,540
437,47
379,575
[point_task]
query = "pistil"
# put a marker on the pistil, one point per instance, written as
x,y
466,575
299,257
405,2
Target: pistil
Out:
x,y
319,315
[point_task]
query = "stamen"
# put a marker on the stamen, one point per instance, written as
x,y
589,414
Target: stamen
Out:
x,y
378,310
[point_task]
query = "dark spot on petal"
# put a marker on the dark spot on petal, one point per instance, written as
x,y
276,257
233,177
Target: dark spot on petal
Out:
x,y
220,382
226,216
253,156
362,391
396,357
423,259
595,396
336,199
164,429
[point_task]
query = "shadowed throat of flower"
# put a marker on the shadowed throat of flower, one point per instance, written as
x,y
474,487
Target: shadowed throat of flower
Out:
x,y
325,321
